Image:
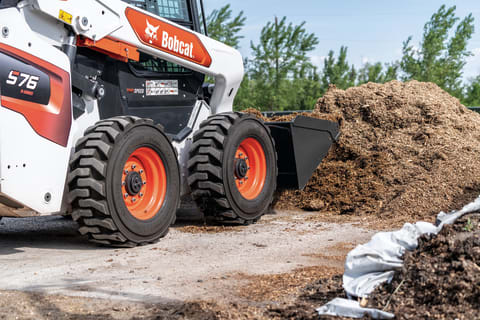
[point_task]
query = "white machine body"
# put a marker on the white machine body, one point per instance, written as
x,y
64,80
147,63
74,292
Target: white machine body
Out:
x,y
38,131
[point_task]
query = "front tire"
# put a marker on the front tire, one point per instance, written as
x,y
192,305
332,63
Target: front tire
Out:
x,y
233,168
124,182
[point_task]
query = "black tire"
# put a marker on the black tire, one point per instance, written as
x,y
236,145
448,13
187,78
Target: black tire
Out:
x,y
212,176
96,181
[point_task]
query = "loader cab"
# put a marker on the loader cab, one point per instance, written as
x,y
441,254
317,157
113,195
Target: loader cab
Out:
x,y
131,81
183,12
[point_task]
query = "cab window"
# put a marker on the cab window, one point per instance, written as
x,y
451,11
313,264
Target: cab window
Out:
x,y
169,9
175,10
150,64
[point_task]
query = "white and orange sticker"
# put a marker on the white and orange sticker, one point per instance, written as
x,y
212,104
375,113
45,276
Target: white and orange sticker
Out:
x,y
168,38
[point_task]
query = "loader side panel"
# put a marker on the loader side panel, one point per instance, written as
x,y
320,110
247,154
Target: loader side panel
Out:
x,y
39,91
35,126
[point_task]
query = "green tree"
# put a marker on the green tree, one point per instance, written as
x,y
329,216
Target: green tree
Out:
x,y
307,89
377,73
244,98
472,93
222,26
392,72
337,71
442,53
280,57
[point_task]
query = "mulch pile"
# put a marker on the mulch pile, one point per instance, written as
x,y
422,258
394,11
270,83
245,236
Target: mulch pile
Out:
x,y
407,150
440,280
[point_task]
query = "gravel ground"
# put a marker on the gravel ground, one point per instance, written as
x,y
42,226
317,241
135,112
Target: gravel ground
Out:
x,y
199,272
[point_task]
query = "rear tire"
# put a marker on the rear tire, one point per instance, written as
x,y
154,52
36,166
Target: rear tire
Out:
x,y
124,182
233,168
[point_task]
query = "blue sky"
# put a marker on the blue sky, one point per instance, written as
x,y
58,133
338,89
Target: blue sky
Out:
x,y
373,30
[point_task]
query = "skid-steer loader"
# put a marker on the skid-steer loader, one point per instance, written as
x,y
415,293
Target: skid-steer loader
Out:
x,y
105,115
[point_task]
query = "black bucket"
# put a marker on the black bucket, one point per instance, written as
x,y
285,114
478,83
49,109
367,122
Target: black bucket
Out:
x,y
301,146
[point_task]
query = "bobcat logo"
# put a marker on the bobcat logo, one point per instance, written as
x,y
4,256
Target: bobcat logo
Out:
x,y
151,32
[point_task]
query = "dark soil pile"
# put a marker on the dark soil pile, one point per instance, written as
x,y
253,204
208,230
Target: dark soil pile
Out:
x,y
407,151
440,280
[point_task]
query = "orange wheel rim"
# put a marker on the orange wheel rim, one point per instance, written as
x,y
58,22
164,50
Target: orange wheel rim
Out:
x,y
144,183
250,168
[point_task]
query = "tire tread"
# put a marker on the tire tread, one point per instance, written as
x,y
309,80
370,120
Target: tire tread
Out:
x,y
205,168
88,167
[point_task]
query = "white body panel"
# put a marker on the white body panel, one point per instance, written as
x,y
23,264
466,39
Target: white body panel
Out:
x,y
47,28
102,18
21,35
31,166
45,162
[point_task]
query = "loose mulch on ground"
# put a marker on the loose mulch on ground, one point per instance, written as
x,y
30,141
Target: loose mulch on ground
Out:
x,y
276,288
407,151
441,279
311,297
205,228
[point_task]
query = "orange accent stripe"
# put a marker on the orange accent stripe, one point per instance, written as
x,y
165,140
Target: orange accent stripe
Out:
x,y
113,48
168,38
52,121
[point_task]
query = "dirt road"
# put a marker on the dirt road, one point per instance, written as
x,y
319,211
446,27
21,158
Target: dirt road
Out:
x,y
193,263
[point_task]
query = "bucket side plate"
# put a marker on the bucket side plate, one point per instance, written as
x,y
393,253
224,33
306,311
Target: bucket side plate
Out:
x,y
301,146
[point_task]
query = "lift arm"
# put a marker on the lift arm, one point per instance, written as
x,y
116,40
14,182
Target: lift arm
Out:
x,y
122,30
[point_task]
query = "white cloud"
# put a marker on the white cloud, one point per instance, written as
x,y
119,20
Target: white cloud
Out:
x,y
475,56
317,60
472,68
399,52
365,60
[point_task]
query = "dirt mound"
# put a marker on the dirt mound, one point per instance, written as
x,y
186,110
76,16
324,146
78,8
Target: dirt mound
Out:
x,y
440,280
407,151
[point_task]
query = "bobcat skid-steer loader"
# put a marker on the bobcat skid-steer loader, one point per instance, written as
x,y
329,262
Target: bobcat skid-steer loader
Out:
x,y
105,116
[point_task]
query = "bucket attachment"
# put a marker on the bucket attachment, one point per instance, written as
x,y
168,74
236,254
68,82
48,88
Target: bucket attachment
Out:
x,y
301,146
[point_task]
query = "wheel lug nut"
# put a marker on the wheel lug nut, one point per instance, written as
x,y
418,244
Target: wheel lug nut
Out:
x,y
141,194
141,171
126,195
123,183
144,182
241,182
126,171
133,166
240,154
134,200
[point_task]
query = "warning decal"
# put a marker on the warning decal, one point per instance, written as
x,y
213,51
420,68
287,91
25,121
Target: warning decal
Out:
x,y
161,87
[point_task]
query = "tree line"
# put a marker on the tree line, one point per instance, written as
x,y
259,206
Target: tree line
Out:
x,y
281,76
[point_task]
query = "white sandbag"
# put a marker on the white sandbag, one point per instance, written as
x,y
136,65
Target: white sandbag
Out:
x,y
375,262
352,309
